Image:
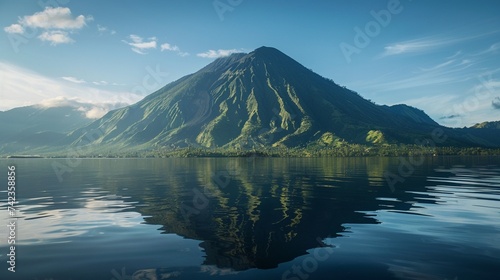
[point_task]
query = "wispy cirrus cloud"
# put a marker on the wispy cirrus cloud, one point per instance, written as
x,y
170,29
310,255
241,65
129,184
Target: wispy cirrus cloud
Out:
x,y
97,83
471,106
55,21
456,68
489,82
439,66
413,46
448,86
420,80
218,53
426,44
456,54
494,48
74,80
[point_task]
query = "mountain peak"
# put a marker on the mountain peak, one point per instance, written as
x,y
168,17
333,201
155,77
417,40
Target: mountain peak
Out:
x,y
268,53
265,49
263,54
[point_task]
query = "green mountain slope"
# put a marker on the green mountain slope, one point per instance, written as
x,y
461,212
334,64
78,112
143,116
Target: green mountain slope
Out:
x,y
259,99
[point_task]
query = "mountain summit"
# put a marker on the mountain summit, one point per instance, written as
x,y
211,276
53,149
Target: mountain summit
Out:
x,y
260,99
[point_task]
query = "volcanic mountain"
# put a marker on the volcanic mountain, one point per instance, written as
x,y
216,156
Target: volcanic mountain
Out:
x,y
260,99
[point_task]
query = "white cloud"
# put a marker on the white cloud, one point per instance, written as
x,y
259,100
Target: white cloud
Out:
x,y
97,83
101,28
96,112
168,47
22,87
104,29
55,18
14,28
101,83
174,48
59,101
138,51
53,21
93,110
138,44
56,37
74,80
218,53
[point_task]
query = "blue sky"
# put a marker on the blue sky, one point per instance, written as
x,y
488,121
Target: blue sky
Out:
x,y
440,56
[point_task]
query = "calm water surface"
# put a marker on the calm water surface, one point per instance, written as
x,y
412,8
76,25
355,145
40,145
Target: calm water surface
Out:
x,y
254,218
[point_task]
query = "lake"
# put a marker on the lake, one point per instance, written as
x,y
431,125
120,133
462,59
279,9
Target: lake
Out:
x,y
254,218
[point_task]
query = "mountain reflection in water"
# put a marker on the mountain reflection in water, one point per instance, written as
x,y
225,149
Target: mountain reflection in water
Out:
x,y
258,217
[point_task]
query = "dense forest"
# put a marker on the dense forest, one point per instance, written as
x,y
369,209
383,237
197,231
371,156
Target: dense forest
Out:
x,y
346,150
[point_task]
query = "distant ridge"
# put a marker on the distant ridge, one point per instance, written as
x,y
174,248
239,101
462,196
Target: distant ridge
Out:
x,y
25,128
413,113
488,125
